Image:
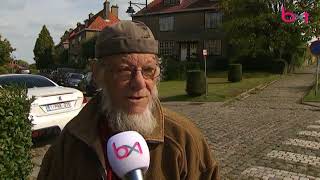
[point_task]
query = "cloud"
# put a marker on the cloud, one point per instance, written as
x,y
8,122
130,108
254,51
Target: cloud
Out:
x,y
12,5
21,20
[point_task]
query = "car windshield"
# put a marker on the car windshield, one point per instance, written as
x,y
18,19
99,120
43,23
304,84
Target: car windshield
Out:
x,y
28,81
76,76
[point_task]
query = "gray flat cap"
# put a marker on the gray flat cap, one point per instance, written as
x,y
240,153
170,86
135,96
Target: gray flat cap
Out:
x,y
125,37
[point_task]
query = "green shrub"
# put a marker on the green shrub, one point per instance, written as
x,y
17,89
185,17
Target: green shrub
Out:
x,y
3,70
15,136
280,66
235,73
172,69
192,65
196,83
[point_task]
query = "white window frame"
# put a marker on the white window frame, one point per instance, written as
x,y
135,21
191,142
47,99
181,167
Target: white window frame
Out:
x,y
166,48
212,20
214,47
166,23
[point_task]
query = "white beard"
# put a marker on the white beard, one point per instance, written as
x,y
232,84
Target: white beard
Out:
x,y
119,120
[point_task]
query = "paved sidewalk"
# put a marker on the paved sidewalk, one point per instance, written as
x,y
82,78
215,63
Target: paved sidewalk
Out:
x,y
268,135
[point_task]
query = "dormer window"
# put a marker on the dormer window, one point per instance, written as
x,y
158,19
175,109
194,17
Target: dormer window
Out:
x,y
171,2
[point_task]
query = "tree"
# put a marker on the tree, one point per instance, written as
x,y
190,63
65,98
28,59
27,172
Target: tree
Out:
x,y
61,57
87,51
44,50
255,28
5,51
22,63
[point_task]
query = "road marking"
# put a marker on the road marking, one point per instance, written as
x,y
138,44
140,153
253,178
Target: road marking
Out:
x,y
266,173
299,158
303,143
310,133
314,127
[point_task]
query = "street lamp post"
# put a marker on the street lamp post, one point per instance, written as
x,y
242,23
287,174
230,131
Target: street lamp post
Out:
x,y
130,9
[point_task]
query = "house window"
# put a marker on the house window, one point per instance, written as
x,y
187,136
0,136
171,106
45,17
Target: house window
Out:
x,y
166,23
166,48
213,47
79,38
171,2
212,20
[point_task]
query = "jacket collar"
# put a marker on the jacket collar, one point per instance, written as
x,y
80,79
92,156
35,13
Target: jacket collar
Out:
x,y
85,126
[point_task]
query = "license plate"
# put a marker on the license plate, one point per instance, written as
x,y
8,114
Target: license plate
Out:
x,y
58,106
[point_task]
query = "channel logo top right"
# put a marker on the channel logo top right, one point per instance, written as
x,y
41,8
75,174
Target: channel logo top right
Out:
x,y
290,17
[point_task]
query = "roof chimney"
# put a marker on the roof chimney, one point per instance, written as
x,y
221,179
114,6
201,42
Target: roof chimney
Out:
x,y
106,9
114,10
90,16
86,22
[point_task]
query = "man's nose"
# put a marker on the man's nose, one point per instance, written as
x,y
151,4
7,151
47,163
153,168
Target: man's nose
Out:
x,y
137,82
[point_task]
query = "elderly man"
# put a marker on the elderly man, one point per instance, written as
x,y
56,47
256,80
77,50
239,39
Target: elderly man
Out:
x,y
128,71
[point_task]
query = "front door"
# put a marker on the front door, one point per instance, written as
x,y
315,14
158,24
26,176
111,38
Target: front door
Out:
x,y
188,50
183,51
193,50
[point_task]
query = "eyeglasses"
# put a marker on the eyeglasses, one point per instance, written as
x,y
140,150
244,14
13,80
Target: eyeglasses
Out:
x,y
125,73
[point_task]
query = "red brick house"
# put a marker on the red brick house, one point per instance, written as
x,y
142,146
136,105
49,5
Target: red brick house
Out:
x,y
73,38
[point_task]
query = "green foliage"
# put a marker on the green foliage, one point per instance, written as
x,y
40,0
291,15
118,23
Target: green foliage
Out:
x,y
88,48
87,52
235,73
3,70
279,66
5,51
15,136
172,69
22,63
196,83
255,28
44,50
61,57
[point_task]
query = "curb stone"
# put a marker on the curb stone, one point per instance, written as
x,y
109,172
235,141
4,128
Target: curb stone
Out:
x,y
309,103
247,93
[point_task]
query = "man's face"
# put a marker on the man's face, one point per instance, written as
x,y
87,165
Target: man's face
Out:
x,y
130,80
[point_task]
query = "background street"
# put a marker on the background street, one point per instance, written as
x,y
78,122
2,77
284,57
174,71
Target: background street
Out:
x,y
269,134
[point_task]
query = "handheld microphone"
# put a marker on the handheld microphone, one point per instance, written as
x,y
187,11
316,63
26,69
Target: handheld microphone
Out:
x,y
128,155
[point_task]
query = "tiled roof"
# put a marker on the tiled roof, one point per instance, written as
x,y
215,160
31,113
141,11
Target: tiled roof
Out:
x,y
99,23
95,23
157,6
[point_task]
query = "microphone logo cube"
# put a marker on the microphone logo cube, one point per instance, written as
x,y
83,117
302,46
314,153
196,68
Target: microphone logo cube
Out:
x,y
124,151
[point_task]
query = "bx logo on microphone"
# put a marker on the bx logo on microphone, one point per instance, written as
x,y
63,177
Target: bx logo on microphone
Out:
x,y
125,150
290,17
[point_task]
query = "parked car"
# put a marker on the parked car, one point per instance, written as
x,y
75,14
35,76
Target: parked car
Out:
x,y
62,74
73,79
87,85
54,106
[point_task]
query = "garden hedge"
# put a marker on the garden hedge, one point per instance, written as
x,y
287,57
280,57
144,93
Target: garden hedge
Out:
x,y
196,83
15,133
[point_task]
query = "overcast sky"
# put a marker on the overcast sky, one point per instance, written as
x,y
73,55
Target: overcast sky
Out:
x,y
22,20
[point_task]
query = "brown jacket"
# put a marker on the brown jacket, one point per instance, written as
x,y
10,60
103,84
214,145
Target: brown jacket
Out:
x,y
177,150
